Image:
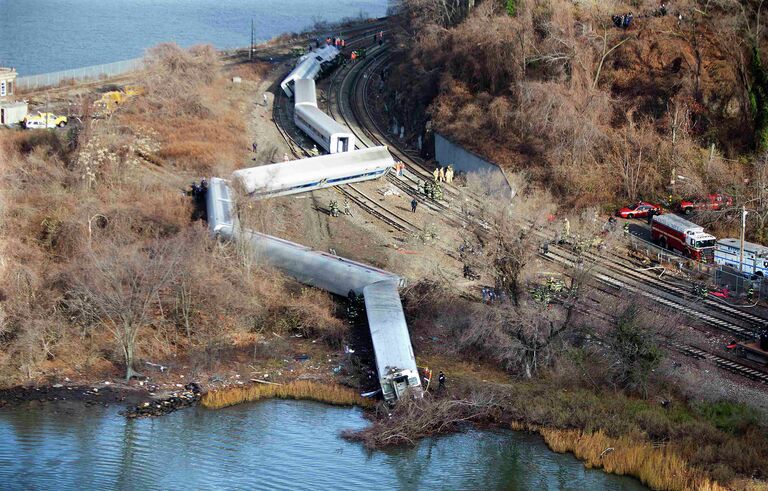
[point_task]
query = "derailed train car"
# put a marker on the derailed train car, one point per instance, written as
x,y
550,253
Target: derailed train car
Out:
x,y
326,131
312,65
395,361
304,175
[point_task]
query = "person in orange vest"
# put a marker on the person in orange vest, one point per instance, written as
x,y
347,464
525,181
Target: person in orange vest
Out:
x,y
353,56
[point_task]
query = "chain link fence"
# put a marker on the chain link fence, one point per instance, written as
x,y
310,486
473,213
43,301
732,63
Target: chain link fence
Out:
x,y
95,72
739,286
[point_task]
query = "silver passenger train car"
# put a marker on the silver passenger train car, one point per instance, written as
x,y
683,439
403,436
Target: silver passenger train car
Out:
x,y
304,175
326,131
311,65
395,361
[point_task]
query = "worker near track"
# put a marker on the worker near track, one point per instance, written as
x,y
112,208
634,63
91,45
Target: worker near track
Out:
x,y
343,43
566,228
449,174
626,228
315,151
441,381
286,158
441,174
651,213
265,100
347,211
353,56
436,174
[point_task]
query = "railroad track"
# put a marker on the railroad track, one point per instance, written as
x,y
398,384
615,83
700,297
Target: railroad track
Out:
x,y
283,119
696,353
616,272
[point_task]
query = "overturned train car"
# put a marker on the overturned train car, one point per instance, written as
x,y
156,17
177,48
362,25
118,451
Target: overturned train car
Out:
x,y
395,361
299,176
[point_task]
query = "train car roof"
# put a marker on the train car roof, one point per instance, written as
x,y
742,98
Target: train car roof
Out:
x,y
389,331
307,69
304,92
221,220
319,119
275,177
325,53
326,271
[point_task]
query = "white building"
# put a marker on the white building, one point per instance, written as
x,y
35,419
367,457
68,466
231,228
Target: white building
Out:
x,y
11,111
7,83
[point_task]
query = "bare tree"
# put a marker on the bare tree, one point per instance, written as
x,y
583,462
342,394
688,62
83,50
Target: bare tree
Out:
x,y
118,284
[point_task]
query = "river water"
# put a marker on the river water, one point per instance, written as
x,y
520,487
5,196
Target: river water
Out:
x,y
40,36
265,445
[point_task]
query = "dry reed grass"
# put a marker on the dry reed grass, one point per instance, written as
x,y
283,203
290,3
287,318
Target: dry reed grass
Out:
x,y
299,390
630,455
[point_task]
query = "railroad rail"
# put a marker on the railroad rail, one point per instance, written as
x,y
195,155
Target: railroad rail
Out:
x,y
617,272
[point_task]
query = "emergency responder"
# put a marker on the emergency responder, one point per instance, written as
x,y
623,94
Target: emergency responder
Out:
x,y
626,228
286,158
566,228
441,381
429,189
347,211
449,174
333,207
750,293
414,203
651,212
315,151
441,174
436,174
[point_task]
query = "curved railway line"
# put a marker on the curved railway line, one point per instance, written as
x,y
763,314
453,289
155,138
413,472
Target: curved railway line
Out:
x,y
615,271
348,102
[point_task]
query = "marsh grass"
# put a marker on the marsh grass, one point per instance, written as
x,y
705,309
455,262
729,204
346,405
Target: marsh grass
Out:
x,y
299,390
658,467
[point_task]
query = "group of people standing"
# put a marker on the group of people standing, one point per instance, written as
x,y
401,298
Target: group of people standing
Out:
x,y
623,21
443,174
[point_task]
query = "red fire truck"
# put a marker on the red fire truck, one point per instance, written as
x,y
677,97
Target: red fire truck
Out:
x,y
712,202
674,232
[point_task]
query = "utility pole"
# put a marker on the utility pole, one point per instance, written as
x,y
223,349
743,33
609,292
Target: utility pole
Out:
x,y
250,48
743,226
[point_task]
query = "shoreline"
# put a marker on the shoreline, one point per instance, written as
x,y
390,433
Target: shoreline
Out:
x,y
623,455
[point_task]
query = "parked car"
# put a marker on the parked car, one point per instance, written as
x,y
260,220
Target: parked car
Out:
x,y
711,202
638,210
45,120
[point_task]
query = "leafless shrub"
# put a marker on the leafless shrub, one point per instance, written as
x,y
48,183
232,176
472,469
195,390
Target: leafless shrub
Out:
x,y
413,419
